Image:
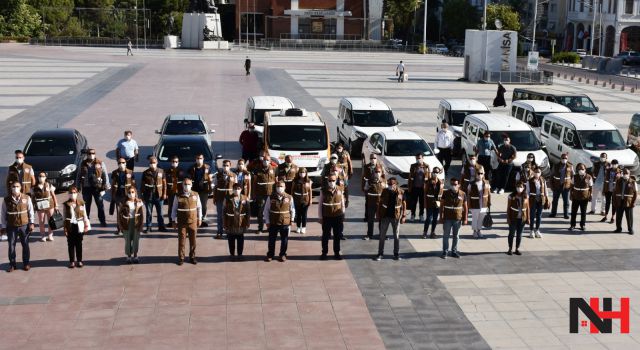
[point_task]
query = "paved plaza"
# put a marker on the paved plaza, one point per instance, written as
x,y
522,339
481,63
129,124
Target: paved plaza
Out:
x,y
483,300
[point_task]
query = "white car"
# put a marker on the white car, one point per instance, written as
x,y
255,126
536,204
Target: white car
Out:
x,y
397,150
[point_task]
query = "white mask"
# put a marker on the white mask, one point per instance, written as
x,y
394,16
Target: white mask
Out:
x,y
241,167
42,179
280,189
581,172
530,159
153,166
472,161
226,168
506,142
520,189
626,176
419,161
537,175
334,161
122,166
73,196
265,163
187,188
374,161
92,156
15,190
332,184
603,159
302,175
455,188
615,166
131,195
199,162
238,192
563,161
128,137
339,150
19,160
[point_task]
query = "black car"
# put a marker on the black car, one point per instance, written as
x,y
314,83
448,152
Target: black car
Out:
x,y
57,152
186,147
629,58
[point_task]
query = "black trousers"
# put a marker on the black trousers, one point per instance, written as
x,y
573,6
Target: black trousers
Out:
x,y
335,224
607,204
131,161
582,204
628,212
417,200
74,244
485,161
444,156
234,239
283,230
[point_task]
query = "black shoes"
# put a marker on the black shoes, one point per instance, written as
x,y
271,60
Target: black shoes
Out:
x,y
163,229
517,252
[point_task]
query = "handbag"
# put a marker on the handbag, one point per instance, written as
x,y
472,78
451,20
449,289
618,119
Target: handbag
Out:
x,y
488,220
56,221
546,205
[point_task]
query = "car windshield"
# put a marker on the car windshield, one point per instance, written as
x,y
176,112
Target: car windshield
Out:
x,y
596,140
258,115
298,137
457,117
49,146
577,104
184,150
406,148
185,127
373,118
522,140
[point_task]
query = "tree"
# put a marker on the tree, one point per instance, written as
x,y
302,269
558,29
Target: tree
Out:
x,y
402,12
458,16
508,16
20,19
56,14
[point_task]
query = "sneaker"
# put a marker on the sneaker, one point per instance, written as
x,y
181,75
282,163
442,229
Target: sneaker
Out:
x,y
610,221
532,234
517,252
267,259
50,238
304,230
43,239
338,257
3,238
509,252
421,218
480,236
432,235
413,218
129,260
13,268
72,265
455,255
80,264
424,235
283,258
603,219
343,238
378,258
443,256
136,260
218,236
566,216
180,262
571,228
194,261
475,234
397,258
501,191
366,238
27,267
494,190
538,234
298,230
591,212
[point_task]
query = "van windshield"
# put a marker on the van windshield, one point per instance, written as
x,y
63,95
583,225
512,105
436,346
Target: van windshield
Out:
x,y
522,140
373,118
577,104
595,140
457,117
297,138
258,115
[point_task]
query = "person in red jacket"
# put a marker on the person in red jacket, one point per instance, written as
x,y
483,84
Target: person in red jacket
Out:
x,y
249,140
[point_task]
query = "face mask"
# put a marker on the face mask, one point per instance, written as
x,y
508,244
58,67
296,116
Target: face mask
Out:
x,y
479,181
199,161
92,156
174,165
486,138
419,161
472,161
73,196
153,165
615,166
520,189
434,175
19,160
187,188
265,163
332,184
603,159
280,190
128,137
226,168
626,176
530,159
252,129
339,150
537,175
15,190
131,195
240,166
334,161
238,192
122,166
42,179
287,162
303,175
374,161
564,161
581,172
455,188
506,142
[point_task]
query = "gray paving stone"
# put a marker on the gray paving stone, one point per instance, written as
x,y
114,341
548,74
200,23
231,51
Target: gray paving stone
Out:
x,y
31,300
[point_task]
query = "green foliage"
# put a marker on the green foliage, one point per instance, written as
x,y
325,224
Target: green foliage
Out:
x,y
565,57
509,17
458,16
19,19
402,13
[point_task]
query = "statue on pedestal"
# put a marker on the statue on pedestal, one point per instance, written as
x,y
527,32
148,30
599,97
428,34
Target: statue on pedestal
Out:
x,y
203,6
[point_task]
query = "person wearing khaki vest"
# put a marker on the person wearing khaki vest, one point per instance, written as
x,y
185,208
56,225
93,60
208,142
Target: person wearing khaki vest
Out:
x,y
130,221
223,183
187,209
479,200
264,178
598,173
561,177
287,172
433,189
391,211
154,193
333,168
121,180
374,191
418,174
21,172
201,176
243,177
367,173
517,216
611,176
93,183
331,209
44,203
454,211
302,198
76,225
236,219
17,221
344,161
469,171
626,193
174,176
580,196
278,214
536,191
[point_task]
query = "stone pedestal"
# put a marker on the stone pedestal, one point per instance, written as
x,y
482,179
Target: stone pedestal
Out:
x,y
193,24
170,42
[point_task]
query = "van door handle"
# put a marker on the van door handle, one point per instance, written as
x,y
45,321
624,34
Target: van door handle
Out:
x,y
560,148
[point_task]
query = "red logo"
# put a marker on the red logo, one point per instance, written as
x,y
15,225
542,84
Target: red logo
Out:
x,y
600,321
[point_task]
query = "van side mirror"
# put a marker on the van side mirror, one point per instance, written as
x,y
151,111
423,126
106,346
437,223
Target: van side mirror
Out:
x,y
597,109
399,122
218,156
246,120
212,131
157,131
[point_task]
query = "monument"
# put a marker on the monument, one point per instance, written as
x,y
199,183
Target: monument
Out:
x,y
201,27
490,51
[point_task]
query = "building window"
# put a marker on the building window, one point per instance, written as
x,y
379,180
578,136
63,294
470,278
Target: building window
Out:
x,y
628,7
552,8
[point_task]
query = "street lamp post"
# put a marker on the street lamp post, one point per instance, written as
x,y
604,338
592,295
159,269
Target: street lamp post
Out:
x,y
144,22
136,8
535,15
594,9
484,15
424,29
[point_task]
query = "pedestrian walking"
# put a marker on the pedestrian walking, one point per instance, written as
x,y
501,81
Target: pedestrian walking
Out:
x,y
278,214
122,179
375,187
611,176
129,47
506,155
201,177
391,212
94,183
187,209
223,185
264,179
236,219
561,179
130,221
433,190
127,148
247,65
76,225
470,171
581,190
419,172
626,193
444,143
479,201
499,101
154,193
287,172
249,140
400,68
17,222
483,149
331,211
517,216
45,203
302,199
536,191
598,174
174,176
454,211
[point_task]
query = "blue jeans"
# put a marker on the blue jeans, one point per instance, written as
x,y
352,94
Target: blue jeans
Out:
x,y
13,234
556,199
431,219
273,236
536,214
149,205
448,226
89,194
219,216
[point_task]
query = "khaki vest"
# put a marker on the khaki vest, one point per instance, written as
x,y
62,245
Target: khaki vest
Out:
x,y
367,174
414,169
432,193
174,177
580,190
287,176
27,177
42,194
246,183
628,200
202,185
532,190
385,202
513,208
17,212
223,187
79,211
236,217
374,193
263,181
188,208
301,193
607,176
466,174
474,195
453,205
153,183
280,210
561,181
124,215
344,160
117,186
331,203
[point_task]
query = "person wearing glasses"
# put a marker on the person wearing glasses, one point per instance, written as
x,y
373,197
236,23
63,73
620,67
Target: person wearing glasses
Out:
x,y
174,176
201,177
433,189
17,222
130,219
93,184
154,193
479,200
122,179
76,224
44,202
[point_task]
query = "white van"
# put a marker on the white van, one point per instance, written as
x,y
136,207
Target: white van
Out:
x,y
301,134
359,117
521,135
258,105
584,137
533,111
453,111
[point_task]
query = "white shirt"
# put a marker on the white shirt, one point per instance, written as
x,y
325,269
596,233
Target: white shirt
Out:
x,y
3,211
267,209
400,67
444,139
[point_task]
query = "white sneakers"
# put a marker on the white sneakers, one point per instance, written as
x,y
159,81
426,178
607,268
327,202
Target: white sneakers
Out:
x,y
304,230
3,238
538,234
43,239
50,237
501,191
535,234
299,230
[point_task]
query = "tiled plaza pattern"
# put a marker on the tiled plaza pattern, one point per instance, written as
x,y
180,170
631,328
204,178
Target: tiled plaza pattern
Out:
x,y
417,303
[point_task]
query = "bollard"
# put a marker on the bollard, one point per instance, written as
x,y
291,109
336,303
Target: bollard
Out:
x,y
595,82
622,87
573,76
632,90
579,79
565,76
587,81
604,83
613,86
558,76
